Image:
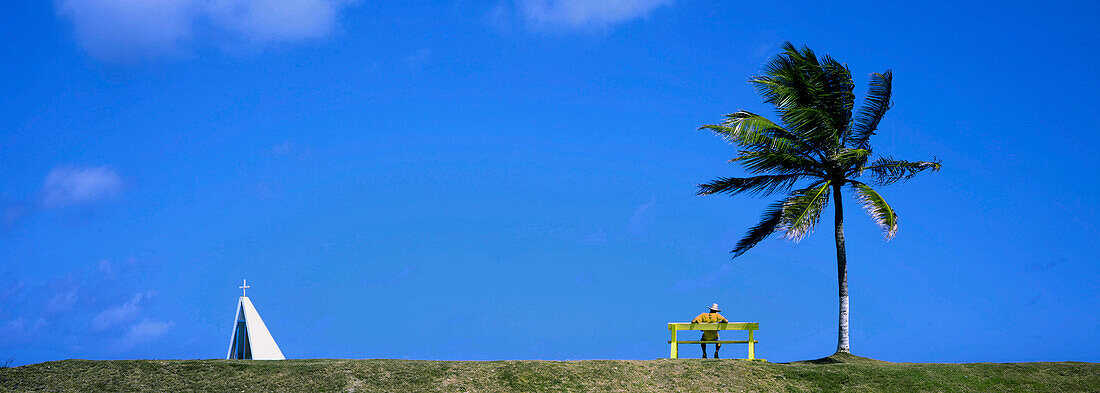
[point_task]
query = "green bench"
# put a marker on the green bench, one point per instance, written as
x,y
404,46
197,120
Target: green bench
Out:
x,y
750,326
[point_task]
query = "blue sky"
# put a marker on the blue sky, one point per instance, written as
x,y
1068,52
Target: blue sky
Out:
x,y
515,179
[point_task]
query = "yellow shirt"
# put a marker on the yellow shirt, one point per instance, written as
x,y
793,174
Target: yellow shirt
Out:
x,y
713,317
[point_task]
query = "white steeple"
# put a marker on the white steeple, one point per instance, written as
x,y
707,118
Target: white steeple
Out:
x,y
250,339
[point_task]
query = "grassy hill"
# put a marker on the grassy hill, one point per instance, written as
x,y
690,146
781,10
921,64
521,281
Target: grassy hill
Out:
x,y
684,375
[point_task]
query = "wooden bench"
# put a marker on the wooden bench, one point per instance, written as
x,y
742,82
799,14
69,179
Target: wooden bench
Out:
x,y
750,326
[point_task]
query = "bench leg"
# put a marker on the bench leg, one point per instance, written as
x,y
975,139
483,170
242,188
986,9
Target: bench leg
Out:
x,y
752,347
673,352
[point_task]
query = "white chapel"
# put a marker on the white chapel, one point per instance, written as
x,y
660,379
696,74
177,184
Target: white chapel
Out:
x,y
250,339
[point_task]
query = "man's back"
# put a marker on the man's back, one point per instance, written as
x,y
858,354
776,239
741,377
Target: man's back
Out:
x,y
710,335
709,317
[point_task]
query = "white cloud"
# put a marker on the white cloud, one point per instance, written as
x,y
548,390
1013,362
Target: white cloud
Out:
x,y
106,267
9,287
276,20
16,324
19,327
584,14
148,330
118,314
599,236
416,60
11,212
127,30
642,219
63,301
66,186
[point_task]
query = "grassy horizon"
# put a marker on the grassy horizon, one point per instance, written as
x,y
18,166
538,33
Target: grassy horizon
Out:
x,y
662,375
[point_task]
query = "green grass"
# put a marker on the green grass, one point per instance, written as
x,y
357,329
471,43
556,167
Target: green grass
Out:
x,y
832,374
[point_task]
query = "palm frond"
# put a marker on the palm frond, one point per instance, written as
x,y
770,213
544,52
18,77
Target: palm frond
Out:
x,y
778,163
851,158
838,99
813,125
874,108
756,185
784,82
803,209
813,96
889,171
769,221
751,130
880,211
785,89
805,54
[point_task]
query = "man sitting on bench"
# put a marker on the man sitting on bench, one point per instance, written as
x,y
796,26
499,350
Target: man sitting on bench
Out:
x,y
710,335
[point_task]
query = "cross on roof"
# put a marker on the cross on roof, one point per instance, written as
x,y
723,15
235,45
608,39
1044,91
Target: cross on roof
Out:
x,y
244,287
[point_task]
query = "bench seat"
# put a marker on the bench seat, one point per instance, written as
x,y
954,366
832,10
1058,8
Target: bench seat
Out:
x,y
751,327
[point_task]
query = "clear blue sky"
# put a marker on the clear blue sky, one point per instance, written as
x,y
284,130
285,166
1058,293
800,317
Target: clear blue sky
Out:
x,y
515,179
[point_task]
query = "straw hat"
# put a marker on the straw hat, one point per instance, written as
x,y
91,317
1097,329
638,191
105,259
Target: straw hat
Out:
x,y
714,307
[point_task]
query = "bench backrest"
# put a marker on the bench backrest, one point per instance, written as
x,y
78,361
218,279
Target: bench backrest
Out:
x,y
715,326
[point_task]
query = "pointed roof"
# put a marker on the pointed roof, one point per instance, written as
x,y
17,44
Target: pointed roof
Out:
x,y
250,339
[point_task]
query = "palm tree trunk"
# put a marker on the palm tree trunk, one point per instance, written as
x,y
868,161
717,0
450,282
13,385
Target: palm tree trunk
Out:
x,y
842,273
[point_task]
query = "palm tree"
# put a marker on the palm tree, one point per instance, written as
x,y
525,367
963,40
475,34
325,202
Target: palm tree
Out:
x,y
820,142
